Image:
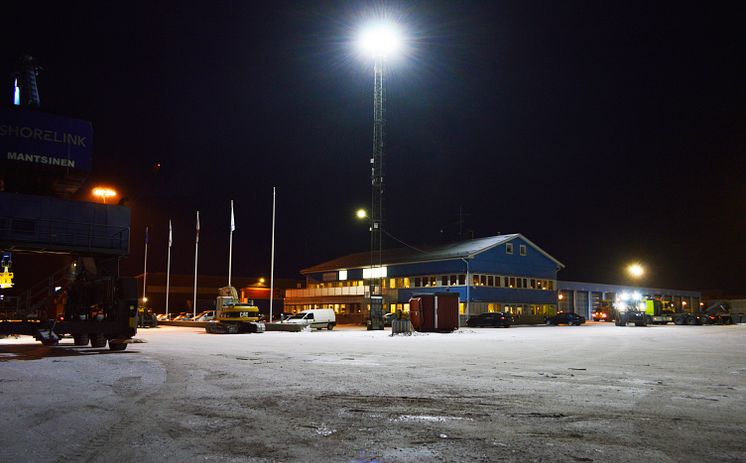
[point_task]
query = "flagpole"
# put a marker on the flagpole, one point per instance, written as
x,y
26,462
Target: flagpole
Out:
x,y
272,265
196,255
145,267
168,266
230,245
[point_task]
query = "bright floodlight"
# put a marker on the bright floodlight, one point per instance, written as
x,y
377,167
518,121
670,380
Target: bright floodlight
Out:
x,y
361,213
381,39
636,270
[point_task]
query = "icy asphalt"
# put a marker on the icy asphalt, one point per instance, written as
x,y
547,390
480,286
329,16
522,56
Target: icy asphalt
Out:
x,y
524,394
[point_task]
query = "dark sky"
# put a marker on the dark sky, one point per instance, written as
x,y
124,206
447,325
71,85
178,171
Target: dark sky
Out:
x,y
603,131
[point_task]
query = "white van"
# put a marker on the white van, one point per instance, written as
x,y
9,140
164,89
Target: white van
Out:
x,y
315,318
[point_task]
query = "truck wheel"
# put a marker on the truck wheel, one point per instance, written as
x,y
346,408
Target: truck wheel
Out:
x,y
678,321
330,326
98,340
81,339
117,346
691,321
50,342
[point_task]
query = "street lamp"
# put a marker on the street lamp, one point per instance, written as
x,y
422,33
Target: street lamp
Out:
x,y
635,271
380,41
361,214
104,193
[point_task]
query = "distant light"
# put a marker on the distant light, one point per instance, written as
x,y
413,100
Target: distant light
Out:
x,y
636,296
380,39
635,270
261,280
145,299
342,275
361,213
683,302
57,288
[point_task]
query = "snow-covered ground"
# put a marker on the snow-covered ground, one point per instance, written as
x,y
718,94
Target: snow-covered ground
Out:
x,y
590,393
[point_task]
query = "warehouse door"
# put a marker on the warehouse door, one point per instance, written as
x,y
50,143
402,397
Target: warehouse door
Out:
x,y
581,304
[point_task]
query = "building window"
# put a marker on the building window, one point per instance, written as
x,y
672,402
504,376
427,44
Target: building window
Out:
x,y
433,281
475,280
444,280
416,282
482,280
490,282
462,279
509,248
522,249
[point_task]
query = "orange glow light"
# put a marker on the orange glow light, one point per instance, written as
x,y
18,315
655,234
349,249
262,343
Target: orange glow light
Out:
x,y
104,193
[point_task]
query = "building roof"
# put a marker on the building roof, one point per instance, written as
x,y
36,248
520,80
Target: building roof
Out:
x,y
461,250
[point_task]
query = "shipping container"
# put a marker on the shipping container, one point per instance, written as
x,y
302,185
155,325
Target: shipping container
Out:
x,y
436,312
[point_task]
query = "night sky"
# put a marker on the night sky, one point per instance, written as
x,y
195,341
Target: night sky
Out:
x,y
605,132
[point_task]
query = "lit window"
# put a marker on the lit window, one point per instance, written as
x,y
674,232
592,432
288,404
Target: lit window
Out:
x,y
375,272
342,275
509,248
522,249
392,283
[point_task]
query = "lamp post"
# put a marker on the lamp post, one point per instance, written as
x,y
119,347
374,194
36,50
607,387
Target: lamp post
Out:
x,y
378,41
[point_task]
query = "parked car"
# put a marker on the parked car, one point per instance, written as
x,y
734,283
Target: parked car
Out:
x,y
183,316
491,319
566,318
146,318
204,316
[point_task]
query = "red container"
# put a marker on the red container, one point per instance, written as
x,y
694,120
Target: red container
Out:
x,y
434,312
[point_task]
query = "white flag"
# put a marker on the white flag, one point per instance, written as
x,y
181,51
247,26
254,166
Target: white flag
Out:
x,y
198,226
170,234
233,219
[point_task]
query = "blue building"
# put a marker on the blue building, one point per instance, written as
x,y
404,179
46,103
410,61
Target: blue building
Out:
x,y
498,273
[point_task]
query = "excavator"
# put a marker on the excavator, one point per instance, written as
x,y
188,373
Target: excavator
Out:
x,y
232,316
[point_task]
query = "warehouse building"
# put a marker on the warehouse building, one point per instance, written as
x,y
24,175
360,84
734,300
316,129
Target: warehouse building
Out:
x,y
584,298
498,273
253,290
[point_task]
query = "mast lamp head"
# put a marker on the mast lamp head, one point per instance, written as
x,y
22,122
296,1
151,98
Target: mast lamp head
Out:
x,y
380,40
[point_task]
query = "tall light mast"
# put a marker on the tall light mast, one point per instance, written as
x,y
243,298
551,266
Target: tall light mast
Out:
x,y
376,196
379,41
